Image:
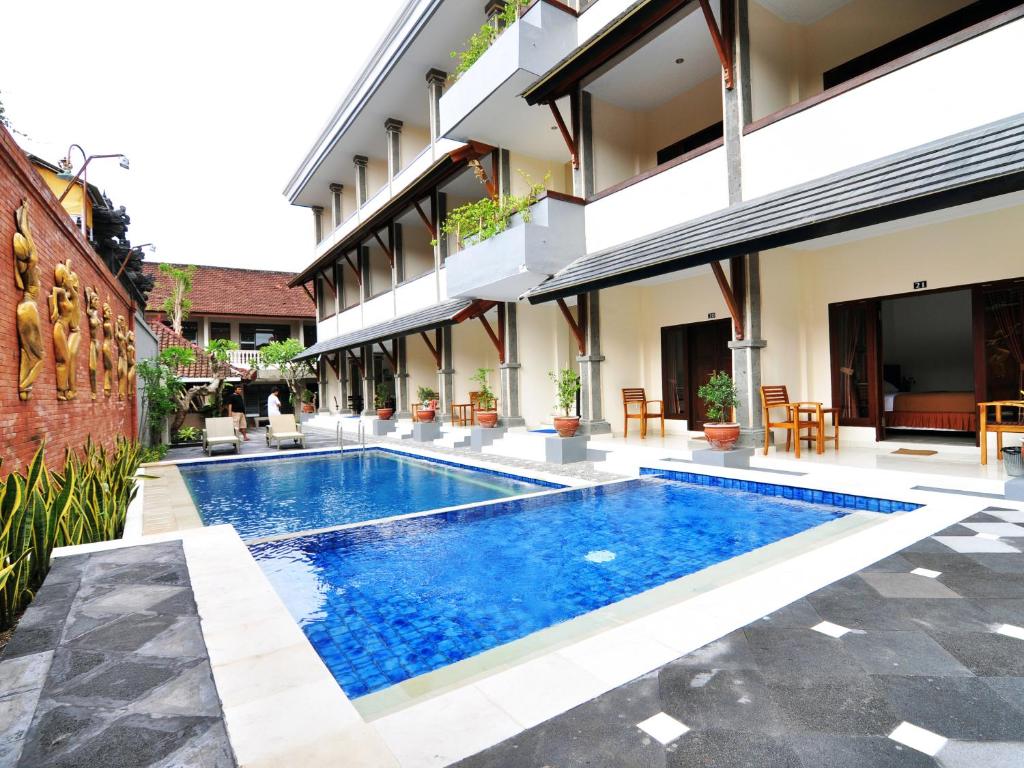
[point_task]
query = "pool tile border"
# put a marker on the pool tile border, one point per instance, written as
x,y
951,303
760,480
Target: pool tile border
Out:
x,y
849,501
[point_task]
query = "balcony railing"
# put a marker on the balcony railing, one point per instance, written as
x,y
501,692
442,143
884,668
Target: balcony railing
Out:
x,y
244,358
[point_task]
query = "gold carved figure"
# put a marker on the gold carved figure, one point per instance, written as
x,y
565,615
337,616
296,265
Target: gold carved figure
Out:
x,y
131,363
121,336
93,313
107,349
65,314
26,278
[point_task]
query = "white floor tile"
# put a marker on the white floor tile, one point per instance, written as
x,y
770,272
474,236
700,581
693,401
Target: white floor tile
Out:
x,y
997,529
989,536
1009,515
830,629
1011,630
664,728
915,737
979,543
927,572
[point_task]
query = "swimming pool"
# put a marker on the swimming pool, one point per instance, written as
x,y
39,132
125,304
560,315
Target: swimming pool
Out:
x,y
287,495
384,603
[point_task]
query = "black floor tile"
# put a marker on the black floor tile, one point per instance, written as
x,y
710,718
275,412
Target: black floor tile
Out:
x,y
1010,689
954,707
797,614
847,707
827,751
986,654
902,653
971,585
798,655
730,749
1003,610
734,700
729,652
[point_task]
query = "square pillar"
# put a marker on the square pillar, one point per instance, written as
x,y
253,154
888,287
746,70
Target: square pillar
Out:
x,y
337,214
510,371
343,383
318,223
360,161
435,87
403,408
368,379
592,421
446,375
393,130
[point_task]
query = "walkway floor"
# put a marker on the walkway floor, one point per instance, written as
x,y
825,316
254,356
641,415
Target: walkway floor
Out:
x,y
108,667
915,661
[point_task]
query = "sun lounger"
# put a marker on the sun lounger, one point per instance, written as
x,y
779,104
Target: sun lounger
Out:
x,y
283,428
219,431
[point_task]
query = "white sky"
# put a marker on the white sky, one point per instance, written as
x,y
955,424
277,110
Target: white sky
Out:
x,y
215,103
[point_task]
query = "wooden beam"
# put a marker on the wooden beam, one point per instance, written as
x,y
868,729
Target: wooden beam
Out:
x,y
388,355
387,251
566,136
483,178
426,221
329,282
478,307
359,275
494,338
309,293
358,364
332,361
435,351
577,331
724,53
735,309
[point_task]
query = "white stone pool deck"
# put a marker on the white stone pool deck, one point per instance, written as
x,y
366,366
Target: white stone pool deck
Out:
x,y
280,700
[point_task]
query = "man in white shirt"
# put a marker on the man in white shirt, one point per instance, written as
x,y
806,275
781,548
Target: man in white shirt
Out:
x,y
273,403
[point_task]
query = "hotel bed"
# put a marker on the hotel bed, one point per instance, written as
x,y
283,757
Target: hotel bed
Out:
x,y
953,411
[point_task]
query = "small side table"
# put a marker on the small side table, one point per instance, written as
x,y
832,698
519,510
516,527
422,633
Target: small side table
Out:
x,y
462,414
815,423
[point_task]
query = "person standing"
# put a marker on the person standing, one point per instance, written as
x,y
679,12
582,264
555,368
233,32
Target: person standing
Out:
x,y
274,403
236,410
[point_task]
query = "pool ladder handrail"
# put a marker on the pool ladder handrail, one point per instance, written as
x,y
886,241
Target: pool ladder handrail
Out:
x,y
339,434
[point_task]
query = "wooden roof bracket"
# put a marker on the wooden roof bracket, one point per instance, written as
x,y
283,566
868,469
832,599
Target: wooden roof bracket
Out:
x,y
435,351
359,363
499,343
426,221
735,309
566,136
387,251
719,40
333,362
574,326
309,293
359,275
329,282
389,355
481,174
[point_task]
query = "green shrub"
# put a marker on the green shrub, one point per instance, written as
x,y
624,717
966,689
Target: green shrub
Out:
x,y
86,502
486,218
719,395
189,434
484,37
485,395
567,385
152,453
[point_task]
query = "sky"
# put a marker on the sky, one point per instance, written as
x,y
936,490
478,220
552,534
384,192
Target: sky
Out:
x,y
215,104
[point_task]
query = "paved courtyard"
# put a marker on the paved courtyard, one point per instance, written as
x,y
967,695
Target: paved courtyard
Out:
x,y
108,667
918,660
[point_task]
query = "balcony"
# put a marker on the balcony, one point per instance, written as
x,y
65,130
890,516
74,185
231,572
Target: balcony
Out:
x,y
484,102
505,266
244,358
947,88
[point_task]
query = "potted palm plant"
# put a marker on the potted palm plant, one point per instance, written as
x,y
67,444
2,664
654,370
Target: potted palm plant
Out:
x,y
428,399
486,416
567,386
380,401
719,396
308,406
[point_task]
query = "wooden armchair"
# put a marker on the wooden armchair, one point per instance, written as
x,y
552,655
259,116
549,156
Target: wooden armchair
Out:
x,y
999,424
777,397
635,405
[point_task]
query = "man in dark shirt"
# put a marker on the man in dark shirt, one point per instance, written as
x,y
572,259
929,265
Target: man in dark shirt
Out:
x,y
236,410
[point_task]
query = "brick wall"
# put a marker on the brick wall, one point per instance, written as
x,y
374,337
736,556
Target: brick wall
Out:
x,y
43,418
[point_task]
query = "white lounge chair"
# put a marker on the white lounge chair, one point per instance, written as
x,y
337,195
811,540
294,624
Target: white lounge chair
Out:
x,y
284,428
219,431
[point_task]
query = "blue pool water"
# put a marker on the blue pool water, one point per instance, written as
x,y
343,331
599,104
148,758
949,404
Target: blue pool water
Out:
x,y
387,602
263,498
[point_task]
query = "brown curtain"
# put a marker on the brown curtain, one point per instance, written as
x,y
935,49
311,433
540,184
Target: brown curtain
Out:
x,y
853,328
1007,310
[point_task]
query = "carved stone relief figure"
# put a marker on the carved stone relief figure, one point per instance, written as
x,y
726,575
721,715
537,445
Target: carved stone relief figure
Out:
x,y
65,314
93,312
107,348
131,363
121,336
26,278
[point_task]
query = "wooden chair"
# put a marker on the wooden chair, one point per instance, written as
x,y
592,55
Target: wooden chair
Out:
x,y
773,398
637,396
998,424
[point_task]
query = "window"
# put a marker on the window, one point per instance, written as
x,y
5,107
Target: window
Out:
x,y
308,335
220,331
189,329
257,336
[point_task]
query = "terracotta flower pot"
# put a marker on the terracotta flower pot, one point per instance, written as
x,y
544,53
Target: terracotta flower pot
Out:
x,y
722,436
384,414
487,418
566,426
307,408
425,415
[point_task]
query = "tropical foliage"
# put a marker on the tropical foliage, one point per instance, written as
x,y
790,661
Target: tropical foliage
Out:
x,y
719,396
485,395
281,355
483,219
177,305
567,386
484,37
39,510
425,394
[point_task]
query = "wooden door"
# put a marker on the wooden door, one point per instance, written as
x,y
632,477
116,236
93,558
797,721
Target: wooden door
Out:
x,y
707,351
675,386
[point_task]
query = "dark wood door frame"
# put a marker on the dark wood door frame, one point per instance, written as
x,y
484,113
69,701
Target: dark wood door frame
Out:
x,y
689,405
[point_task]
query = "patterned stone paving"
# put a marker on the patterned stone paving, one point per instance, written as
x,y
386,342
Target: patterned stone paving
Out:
x,y
108,667
915,661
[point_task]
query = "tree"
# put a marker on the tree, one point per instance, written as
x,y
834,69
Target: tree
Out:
x,y
281,355
177,304
161,386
